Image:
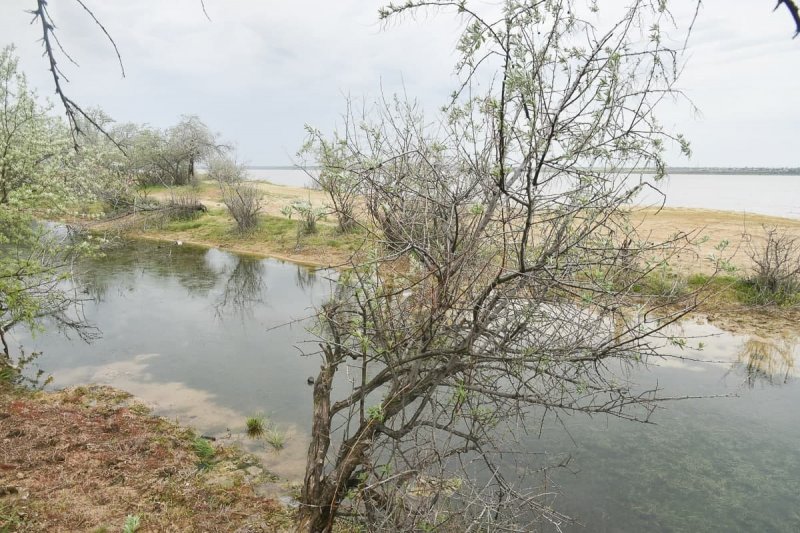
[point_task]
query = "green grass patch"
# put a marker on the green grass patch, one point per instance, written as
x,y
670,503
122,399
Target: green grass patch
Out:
x,y
200,186
204,451
734,289
279,233
255,426
184,225
662,282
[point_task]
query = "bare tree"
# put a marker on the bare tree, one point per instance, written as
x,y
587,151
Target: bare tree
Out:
x,y
51,44
500,289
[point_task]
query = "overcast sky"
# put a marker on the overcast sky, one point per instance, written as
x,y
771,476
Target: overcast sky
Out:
x,y
260,70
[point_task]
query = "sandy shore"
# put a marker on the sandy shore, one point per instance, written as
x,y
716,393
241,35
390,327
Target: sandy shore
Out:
x,y
707,228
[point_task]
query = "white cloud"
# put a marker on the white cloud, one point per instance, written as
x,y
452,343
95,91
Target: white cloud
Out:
x,y
260,70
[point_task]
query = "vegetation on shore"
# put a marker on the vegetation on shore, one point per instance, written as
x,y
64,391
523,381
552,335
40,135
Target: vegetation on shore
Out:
x,y
281,237
92,459
482,293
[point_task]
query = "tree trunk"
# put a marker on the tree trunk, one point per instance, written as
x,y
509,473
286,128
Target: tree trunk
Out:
x,y
313,516
5,356
314,520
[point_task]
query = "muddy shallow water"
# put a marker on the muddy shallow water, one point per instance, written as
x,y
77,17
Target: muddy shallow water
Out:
x,y
194,333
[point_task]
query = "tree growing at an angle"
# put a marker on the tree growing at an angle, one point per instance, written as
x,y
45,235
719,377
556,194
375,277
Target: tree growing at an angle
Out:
x,y
503,279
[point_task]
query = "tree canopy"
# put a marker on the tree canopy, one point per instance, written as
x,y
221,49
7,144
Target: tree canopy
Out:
x,y
504,283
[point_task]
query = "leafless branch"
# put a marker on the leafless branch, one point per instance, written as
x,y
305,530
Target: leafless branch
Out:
x,y
794,11
71,108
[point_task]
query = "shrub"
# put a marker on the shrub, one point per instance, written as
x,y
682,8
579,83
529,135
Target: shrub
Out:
x,y
308,215
243,199
184,205
776,268
244,202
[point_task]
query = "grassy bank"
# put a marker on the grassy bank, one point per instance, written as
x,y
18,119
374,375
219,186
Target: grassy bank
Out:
x,y
279,236
276,235
93,459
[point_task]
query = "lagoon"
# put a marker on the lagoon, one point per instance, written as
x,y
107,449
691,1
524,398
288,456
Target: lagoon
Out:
x,y
208,338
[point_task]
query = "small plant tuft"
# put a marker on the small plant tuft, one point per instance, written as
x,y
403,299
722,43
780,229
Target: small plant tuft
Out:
x,y
204,451
255,426
132,524
276,438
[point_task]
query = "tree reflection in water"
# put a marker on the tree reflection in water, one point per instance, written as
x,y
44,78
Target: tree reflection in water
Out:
x,y
243,289
306,278
770,361
120,266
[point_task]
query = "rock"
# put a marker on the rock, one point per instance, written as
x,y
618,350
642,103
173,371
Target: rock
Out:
x,y
310,380
254,470
290,502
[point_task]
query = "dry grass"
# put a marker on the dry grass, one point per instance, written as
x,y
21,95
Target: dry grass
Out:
x,y
85,458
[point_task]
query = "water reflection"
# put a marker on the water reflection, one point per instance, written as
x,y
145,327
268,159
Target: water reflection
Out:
x,y
243,289
768,361
22,370
199,408
160,308
306,278
729,464
121,265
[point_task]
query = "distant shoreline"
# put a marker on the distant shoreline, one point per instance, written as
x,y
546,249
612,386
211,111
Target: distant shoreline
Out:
x,y
725,171
718,171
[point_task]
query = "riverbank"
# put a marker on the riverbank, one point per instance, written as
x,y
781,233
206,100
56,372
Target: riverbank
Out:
x,y
94,459
712,238
277,236
196,366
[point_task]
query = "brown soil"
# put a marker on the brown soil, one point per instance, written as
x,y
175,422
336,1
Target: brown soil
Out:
x,y
84,459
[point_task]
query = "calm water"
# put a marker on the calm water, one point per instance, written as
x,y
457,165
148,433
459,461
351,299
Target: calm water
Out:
x,y
188,331
766,195
280,176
